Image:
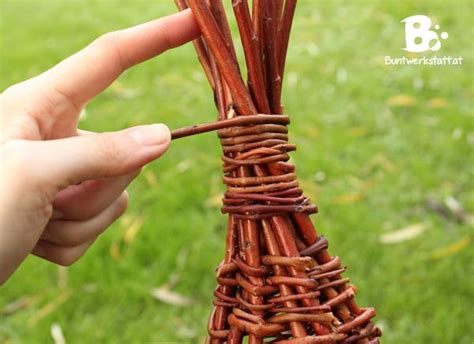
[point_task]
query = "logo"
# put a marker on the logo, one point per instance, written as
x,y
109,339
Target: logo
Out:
x,y
421,37
418,36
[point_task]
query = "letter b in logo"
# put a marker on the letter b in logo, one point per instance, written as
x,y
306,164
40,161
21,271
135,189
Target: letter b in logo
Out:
x,y
419,37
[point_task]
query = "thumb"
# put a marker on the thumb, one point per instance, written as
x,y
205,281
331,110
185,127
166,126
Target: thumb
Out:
x,y
76,159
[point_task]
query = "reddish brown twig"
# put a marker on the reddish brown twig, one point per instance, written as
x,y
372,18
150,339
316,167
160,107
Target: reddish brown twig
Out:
x,y
284,29
270,26
223,56
251,46
228,123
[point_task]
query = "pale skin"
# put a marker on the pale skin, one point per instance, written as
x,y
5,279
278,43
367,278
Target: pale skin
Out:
x,y
62,187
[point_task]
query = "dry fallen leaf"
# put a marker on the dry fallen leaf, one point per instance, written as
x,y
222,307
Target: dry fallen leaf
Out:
x,y
401,100
451,249
403,234
214,201
150,178
49,308
114,250
357,132
437,103
126,220
378,160
133,230
19,304
165,295
348,198
455,208
451,209
361,184
57,334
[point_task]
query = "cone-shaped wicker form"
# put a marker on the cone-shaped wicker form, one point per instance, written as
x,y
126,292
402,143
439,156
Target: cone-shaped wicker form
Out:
x,y
277,282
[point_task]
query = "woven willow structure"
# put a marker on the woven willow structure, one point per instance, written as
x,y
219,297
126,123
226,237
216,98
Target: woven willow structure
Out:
x,y
277,281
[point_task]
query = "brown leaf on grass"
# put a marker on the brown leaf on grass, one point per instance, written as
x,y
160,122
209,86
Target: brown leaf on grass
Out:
x,y
114,250
57,334
451,249
348,198
214,201
361,184
126,220
455,208
132,231
378,161
357,132
49,308
401,100
403,234
150,178
165,295
437,103
19,304
451,209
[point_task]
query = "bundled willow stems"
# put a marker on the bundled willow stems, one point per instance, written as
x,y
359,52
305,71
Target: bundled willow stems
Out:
x,y
277,282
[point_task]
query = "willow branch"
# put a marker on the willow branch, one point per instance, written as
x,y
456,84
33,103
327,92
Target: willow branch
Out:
x,y
221,19
284,29
200,48
224,59
270,21
253,59
227,123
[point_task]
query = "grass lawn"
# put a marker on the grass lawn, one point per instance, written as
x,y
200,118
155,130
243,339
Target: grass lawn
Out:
x,y
379,148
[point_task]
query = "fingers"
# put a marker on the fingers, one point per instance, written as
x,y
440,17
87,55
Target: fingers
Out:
x,y
76,159
58,254
87,73
84,201
64,242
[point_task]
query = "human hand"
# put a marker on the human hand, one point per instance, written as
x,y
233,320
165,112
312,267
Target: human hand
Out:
x,y
61,187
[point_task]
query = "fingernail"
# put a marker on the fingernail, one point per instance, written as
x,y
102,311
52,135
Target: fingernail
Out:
x,y
151,135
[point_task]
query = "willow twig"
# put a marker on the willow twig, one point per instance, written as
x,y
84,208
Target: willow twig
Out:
x,y
284,29
224,59
270,21
228,123
200,48
251,46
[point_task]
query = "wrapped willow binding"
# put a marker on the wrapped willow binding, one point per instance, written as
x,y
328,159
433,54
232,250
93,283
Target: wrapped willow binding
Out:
x,y
277,282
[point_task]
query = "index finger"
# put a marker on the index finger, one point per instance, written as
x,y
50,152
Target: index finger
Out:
x,y
88,72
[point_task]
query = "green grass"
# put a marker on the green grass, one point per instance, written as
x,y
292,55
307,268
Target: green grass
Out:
x,y
381,163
